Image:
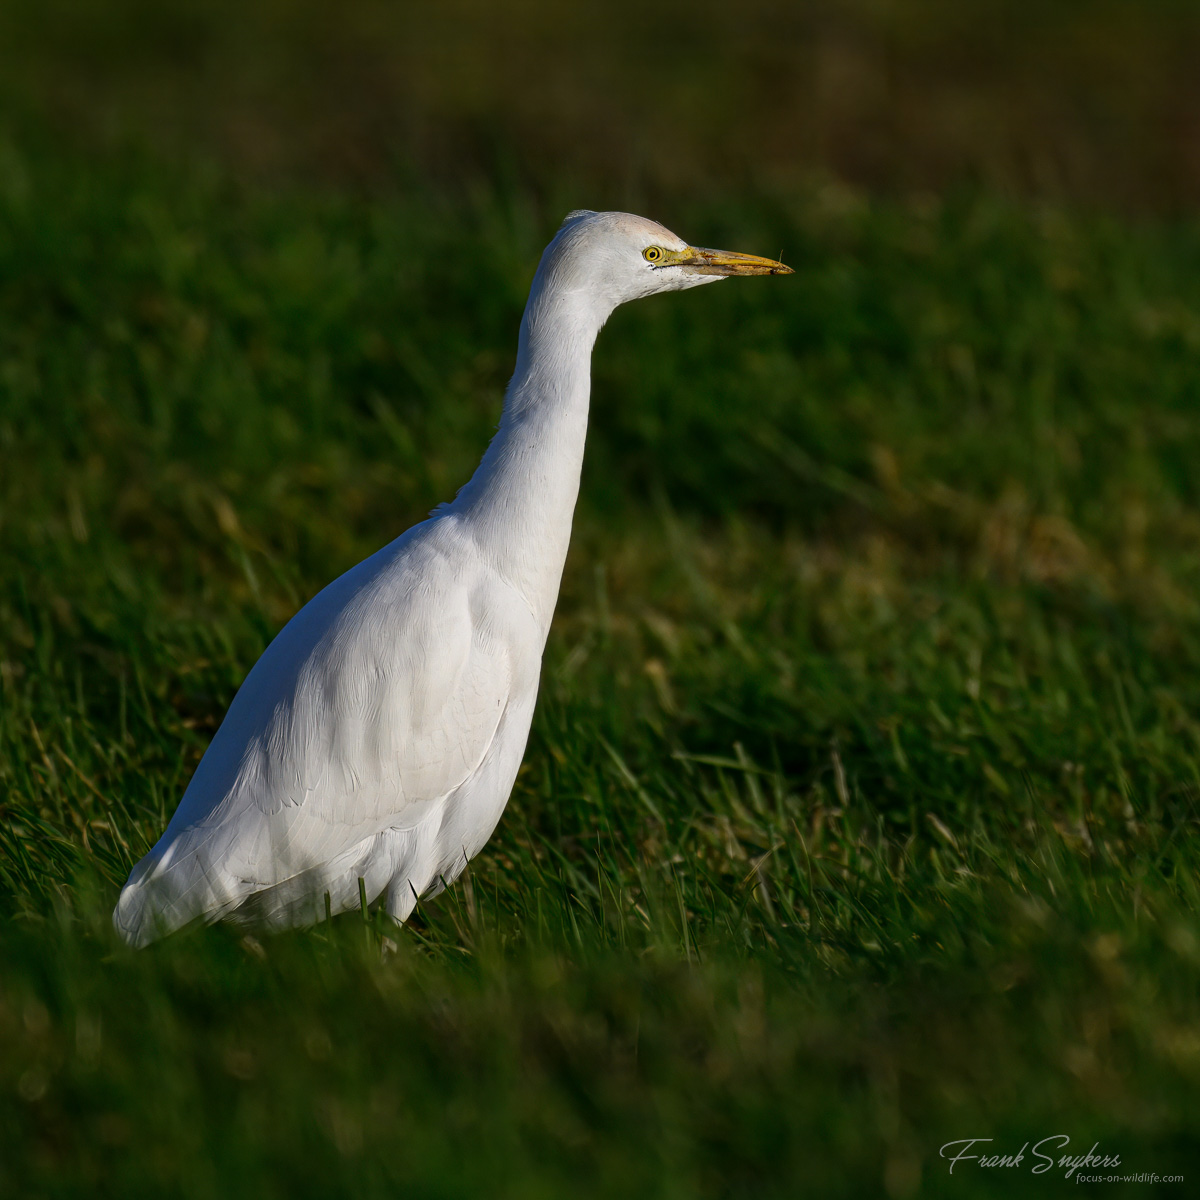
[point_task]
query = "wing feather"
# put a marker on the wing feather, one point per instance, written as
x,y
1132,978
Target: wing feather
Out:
x,y
381,697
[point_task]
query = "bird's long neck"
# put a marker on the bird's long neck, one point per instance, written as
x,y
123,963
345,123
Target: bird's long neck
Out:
x,y
521,499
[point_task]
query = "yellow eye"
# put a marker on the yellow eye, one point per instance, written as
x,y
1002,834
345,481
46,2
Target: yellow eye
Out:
x,y
652,254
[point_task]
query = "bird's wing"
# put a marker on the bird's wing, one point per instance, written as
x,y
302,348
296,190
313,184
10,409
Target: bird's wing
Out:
x,y
381,697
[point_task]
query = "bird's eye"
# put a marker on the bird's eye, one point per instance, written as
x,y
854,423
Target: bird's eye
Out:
x,y
652,254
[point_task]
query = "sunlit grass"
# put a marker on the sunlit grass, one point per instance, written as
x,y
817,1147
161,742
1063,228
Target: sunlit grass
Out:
x,y
859,813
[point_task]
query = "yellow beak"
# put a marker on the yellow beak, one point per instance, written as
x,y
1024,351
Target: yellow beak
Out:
x,y
725,262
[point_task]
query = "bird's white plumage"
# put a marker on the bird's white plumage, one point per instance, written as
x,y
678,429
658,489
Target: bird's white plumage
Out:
x,y
379,735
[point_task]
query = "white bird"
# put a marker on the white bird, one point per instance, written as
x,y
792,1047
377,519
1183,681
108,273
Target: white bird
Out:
x,y
379,736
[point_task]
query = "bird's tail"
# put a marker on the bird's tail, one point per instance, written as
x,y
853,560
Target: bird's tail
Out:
x,y
166,891
130,916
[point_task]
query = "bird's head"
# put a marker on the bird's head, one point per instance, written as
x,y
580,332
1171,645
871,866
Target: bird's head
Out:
x,y
614,257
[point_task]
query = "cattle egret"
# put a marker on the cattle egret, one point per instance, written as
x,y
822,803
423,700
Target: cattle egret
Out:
x,y
375,742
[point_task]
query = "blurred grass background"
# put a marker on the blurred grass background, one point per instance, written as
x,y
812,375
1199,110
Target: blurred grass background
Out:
x,y
1094,99
860,808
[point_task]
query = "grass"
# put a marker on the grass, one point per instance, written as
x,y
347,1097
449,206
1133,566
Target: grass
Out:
x,y
860,810
1092,100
